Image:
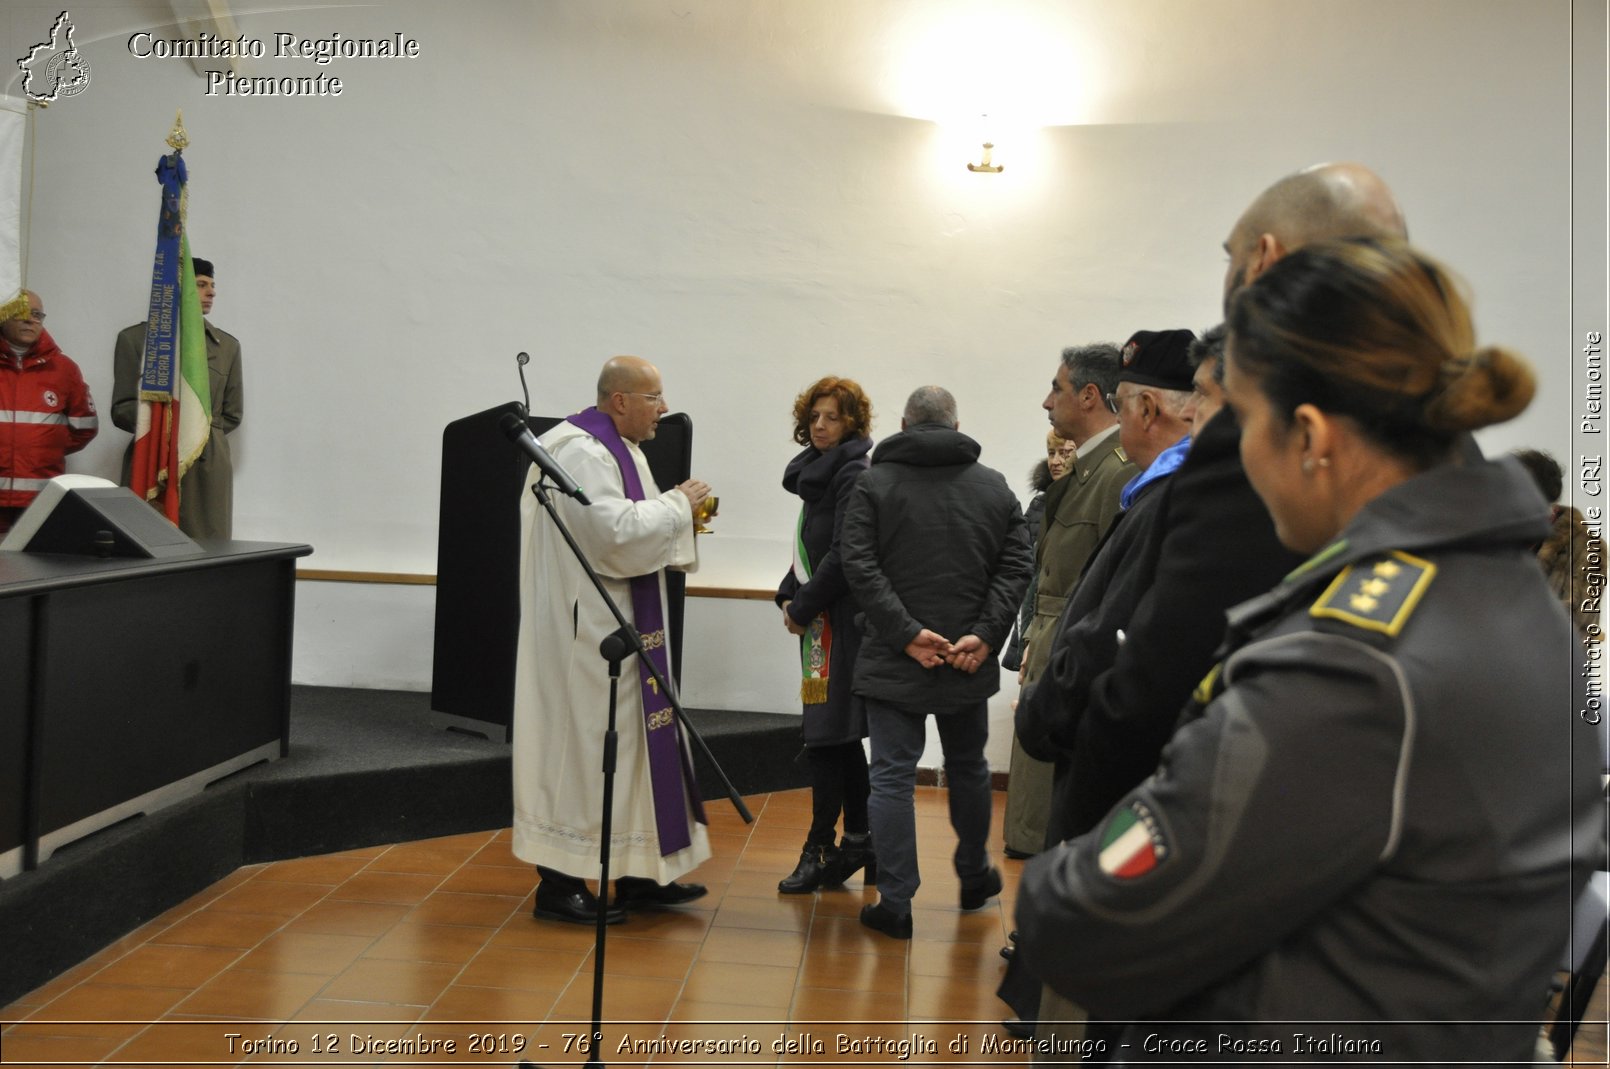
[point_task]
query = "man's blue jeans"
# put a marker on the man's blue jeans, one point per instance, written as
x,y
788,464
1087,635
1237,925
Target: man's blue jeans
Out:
x,y
898,736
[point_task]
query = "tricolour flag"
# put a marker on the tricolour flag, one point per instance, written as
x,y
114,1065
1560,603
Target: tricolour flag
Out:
x,y
1132,844
175,414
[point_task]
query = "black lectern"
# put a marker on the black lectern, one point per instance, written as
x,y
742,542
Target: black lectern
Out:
x,y
478,563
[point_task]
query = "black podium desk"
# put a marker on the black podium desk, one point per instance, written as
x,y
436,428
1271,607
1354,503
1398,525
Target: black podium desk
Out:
x,y
132,684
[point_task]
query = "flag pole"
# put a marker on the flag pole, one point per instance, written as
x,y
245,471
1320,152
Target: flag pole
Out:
x,y
158,463
178,141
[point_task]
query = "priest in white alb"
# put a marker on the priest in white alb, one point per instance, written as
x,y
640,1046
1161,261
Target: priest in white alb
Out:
x,y
631,533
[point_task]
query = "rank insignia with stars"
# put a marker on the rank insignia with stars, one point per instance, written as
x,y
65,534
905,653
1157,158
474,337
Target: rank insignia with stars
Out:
x,y
1377,594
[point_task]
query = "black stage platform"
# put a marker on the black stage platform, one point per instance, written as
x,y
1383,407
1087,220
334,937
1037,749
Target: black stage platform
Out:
x,y
365,767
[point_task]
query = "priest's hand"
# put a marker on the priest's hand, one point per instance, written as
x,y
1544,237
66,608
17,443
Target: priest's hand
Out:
x,y
695,491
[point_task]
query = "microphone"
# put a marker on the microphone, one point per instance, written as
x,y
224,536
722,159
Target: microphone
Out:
x,y
513,426
521,360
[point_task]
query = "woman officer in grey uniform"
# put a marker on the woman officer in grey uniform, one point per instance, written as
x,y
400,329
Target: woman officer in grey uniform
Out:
x,y
1365,838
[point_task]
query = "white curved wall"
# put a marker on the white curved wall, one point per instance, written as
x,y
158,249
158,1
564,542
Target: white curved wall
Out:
x,y
753,195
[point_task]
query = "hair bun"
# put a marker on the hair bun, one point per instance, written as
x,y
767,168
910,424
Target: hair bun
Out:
x,y
1490,386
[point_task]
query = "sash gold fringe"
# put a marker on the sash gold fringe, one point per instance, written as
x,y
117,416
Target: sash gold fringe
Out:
x,y
813,691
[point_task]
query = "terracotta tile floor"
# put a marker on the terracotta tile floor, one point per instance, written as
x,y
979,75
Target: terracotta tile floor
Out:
x,y
432,945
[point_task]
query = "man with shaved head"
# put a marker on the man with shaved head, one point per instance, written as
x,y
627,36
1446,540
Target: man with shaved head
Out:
x,y
1327,200
1209,545
631,532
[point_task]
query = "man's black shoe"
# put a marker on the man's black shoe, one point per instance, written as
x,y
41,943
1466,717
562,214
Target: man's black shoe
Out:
x,y
1008,951
636,892
976,890
1018,1028
880,919
1017,855
576,907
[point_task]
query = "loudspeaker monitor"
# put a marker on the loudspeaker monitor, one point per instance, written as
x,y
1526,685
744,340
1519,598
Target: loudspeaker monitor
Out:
x,y
86,516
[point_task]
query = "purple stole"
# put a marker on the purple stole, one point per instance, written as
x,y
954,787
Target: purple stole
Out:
x,y
669,768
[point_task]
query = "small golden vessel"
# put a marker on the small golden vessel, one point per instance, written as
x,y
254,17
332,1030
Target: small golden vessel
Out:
x,y
704,513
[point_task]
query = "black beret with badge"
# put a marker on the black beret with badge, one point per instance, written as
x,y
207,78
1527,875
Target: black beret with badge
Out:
x,y
1159,358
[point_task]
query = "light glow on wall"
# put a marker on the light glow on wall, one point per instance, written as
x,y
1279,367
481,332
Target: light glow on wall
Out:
x,y
1017,67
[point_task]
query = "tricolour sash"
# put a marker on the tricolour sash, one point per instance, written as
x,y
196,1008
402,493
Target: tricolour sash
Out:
x,y
816,644
669,768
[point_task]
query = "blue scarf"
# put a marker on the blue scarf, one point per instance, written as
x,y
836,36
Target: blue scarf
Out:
x,y
1161,468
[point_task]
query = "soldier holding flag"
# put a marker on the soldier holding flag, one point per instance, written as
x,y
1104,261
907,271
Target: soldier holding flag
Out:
x,y
206,492
177,380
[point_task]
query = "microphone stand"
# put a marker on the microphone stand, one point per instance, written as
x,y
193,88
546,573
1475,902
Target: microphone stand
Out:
x,y
613,649
617,647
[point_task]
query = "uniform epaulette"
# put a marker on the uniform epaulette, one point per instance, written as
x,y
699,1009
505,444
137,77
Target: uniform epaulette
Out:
x,y
1377,594
1123,457
1211,685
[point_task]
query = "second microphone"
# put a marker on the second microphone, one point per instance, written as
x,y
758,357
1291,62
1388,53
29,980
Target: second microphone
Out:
x,y
518,433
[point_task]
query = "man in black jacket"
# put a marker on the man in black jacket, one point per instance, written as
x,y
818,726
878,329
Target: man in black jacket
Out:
x,y
1109,703
1131,650
1210,545
935,548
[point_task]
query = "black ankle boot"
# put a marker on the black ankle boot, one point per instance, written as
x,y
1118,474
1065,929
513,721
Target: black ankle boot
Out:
x,y
855,854
815,862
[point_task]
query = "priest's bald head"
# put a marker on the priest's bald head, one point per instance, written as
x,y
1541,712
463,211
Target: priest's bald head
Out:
x,y
631,395
1327,200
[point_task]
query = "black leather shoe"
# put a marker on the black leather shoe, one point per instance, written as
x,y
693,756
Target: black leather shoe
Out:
x,y
1016,854
637,892
816,868
1008,951
1018,1028
574,907
894,925
976,890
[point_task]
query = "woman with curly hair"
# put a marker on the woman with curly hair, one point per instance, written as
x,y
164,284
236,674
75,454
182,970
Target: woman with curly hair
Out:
x,y
833,421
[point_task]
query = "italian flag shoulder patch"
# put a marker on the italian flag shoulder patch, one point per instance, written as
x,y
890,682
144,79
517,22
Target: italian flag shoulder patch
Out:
x,y
1132,844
